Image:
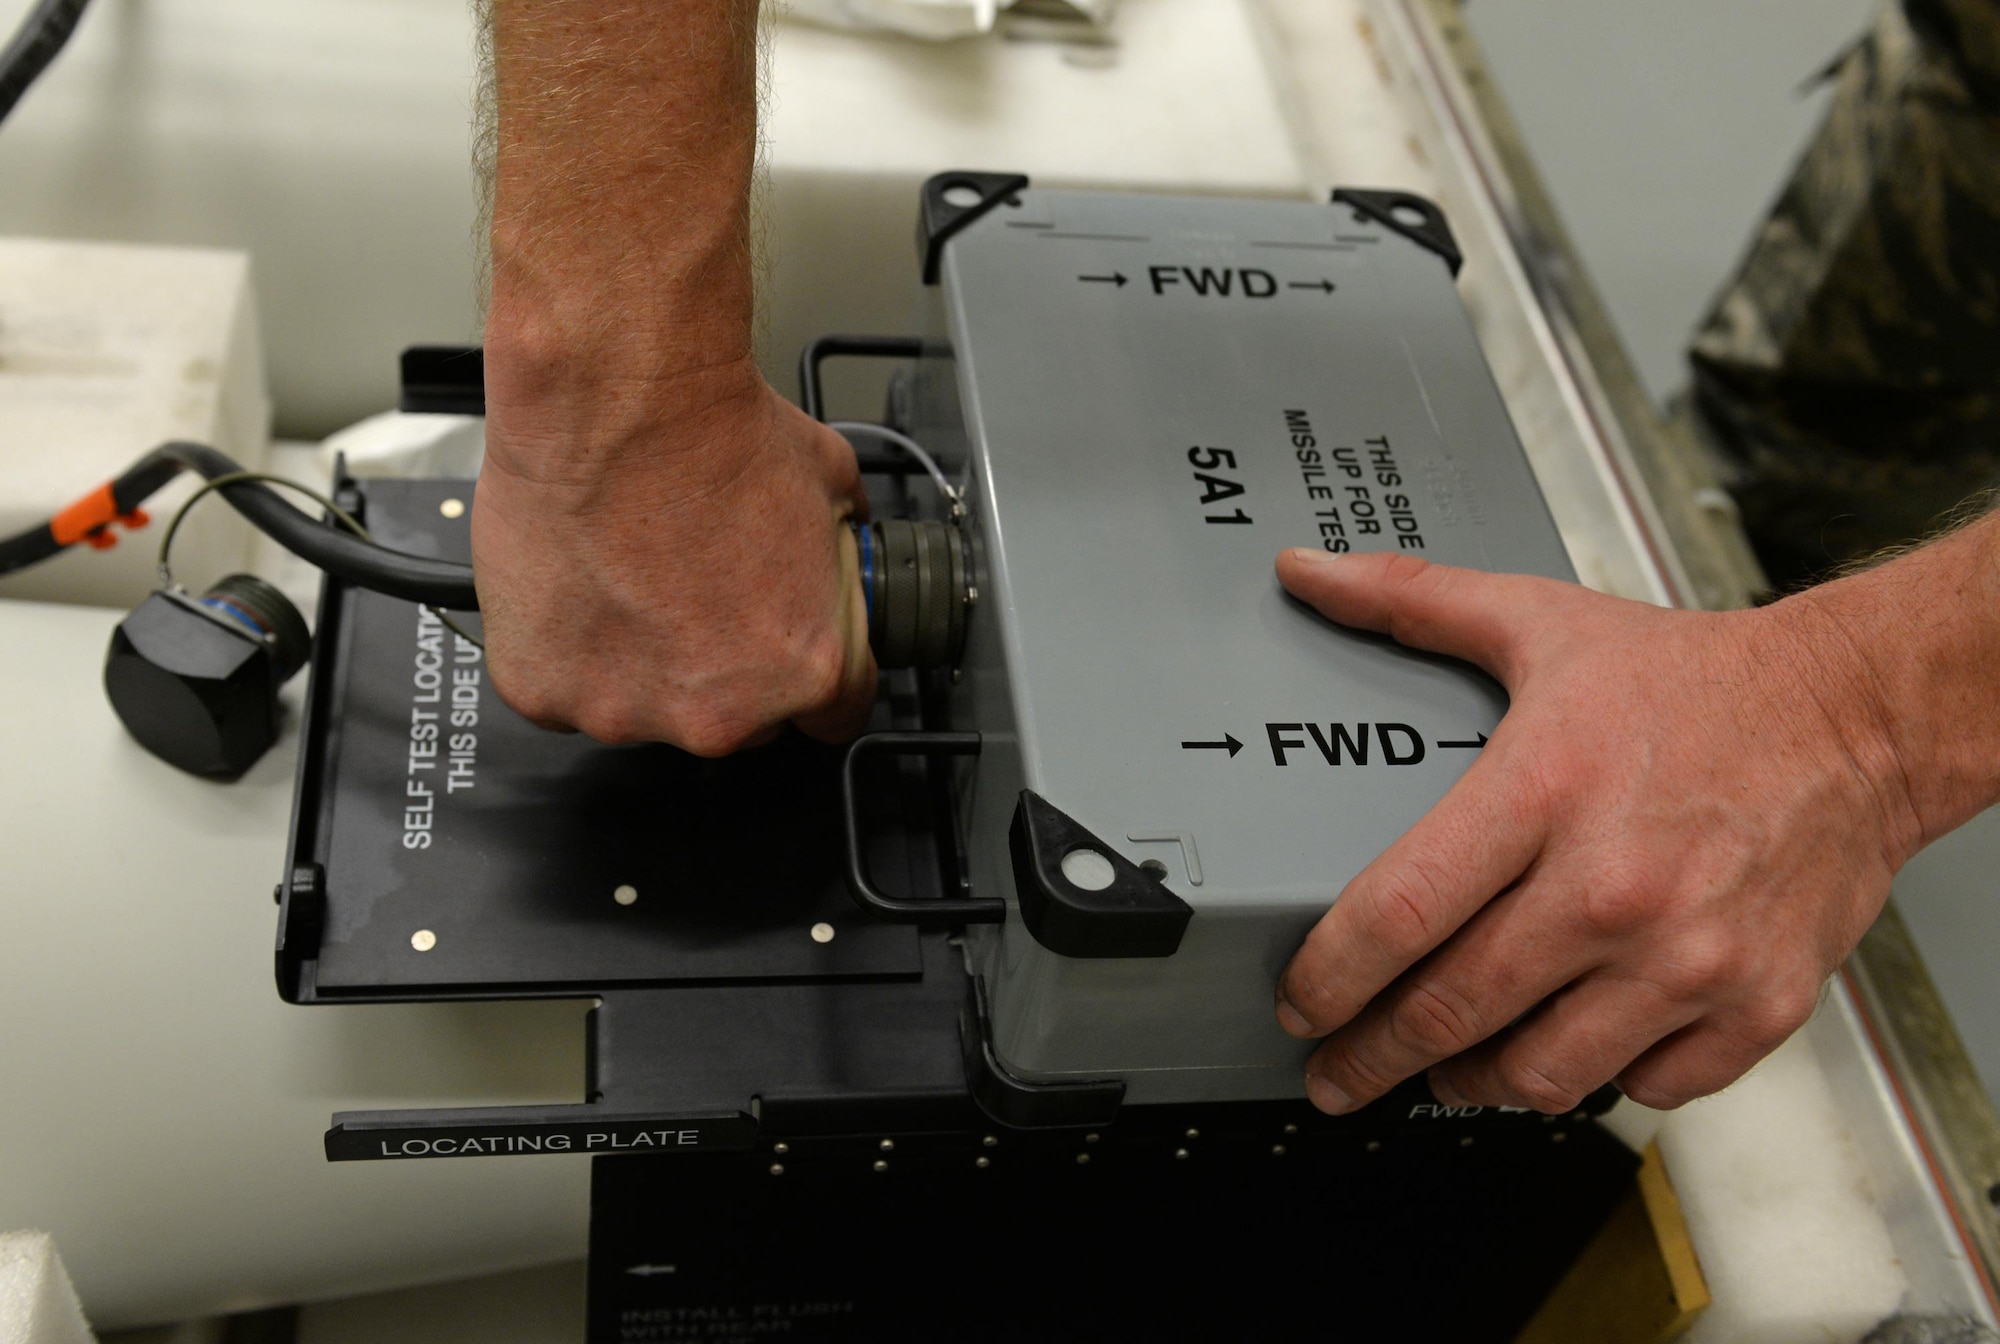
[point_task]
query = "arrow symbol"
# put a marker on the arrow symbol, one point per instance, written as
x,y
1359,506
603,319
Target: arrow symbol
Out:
x,y
1324,286
1116,278
647,1271
1228,744
1469,746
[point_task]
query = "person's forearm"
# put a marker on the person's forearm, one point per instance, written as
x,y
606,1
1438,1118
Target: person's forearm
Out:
x,y
624,152
659,538
1924,632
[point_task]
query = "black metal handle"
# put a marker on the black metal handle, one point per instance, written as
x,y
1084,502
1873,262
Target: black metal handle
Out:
x,y
823,348
813,401
949,910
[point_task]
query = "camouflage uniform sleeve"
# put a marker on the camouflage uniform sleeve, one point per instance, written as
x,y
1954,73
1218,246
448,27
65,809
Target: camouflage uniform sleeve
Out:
x,y
1849,374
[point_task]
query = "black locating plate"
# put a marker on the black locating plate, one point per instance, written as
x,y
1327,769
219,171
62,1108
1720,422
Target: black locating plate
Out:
x,y
514,875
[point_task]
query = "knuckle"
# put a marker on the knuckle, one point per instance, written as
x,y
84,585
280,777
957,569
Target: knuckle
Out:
x,y
821,672
1473,1088
1617,905
1771,1020
1682,1075
1537,1089
1640,1087
712,736
612,724
1406,571
1407,910
542,709
1703,968
1436,1021
838,463
1419,585
1313,996
532,701
1360,1075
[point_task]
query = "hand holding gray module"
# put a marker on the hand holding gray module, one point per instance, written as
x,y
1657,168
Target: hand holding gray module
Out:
x,y
1682,826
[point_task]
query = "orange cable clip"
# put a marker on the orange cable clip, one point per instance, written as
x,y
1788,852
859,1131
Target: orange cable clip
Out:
x,y
90,519
85,517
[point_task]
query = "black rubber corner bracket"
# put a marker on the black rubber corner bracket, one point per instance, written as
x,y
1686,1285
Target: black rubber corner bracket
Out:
x,y
1416,217
1133,915
950,202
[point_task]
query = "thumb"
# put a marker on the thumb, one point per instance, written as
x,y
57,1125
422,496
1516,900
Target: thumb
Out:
x,y
843,716
1486,619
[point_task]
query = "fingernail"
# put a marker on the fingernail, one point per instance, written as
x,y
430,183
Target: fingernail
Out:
x,y
1446,1094
1294,1022
1306,555
1326,1096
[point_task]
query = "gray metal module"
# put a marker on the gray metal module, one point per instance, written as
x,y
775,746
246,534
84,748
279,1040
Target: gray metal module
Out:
x,y
1154,396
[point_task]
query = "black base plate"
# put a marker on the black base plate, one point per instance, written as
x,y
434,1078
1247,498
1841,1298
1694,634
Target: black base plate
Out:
x,y
1335,1238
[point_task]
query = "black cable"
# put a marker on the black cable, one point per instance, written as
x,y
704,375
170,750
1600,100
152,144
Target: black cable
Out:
x,y
42,34
414,578
31,547
366,564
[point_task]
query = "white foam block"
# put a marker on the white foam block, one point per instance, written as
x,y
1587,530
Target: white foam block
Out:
x,y
329,137
105,351
406,443
37,1304
160,1107
1781,1209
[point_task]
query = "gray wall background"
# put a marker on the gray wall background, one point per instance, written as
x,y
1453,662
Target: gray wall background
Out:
x,y
1663,129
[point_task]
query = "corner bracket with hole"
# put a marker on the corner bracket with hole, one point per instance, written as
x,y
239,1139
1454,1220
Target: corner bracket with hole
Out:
x,y
1130,914
952,201
1415,217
